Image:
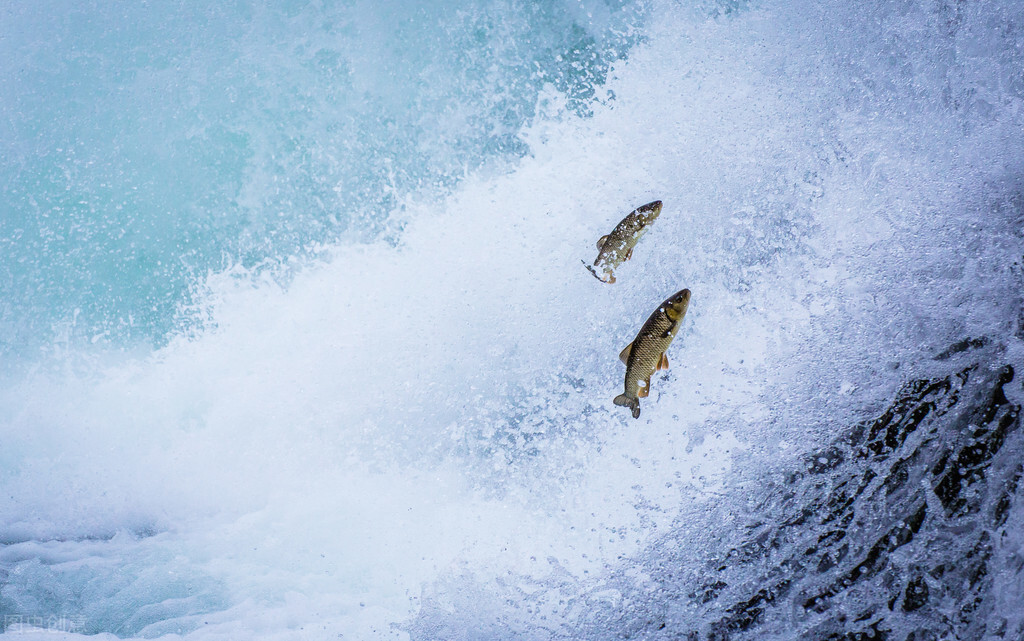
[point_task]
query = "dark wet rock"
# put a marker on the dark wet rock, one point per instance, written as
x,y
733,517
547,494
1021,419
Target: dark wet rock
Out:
x,y
962,346
916,594
897,530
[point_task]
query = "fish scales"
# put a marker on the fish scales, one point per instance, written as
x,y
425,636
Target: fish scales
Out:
x,y
652,341
647,352
617,247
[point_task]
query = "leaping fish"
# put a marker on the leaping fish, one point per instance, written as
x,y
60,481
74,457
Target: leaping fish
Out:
x,y
617,247
646,354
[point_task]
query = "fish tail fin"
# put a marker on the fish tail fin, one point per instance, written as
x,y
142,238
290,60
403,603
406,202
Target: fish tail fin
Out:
x,y
632,403
596,275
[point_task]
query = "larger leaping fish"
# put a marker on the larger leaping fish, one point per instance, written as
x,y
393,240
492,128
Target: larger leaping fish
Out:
x,y
617,247
646,354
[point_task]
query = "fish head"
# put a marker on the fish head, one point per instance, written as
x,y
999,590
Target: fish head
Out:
x,y
676,305
649,212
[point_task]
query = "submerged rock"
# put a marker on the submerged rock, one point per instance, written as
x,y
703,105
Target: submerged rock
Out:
x,y
908,527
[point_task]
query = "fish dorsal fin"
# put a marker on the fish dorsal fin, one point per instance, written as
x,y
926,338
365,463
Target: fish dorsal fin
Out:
x,y
601,241
624,354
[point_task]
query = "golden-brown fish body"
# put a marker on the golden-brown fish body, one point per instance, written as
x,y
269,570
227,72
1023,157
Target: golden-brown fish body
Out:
x,y
617,247
646,354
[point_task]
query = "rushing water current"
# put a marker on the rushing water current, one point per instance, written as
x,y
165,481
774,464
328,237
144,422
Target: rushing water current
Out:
x,y
295,342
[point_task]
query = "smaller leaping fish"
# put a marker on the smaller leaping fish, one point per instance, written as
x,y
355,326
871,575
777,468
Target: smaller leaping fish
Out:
x,y
646,354
617,247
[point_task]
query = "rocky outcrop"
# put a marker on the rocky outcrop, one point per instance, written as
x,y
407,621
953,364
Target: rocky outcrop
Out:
x,y
908,527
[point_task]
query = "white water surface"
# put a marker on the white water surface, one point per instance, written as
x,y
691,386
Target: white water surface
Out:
x,y
420,418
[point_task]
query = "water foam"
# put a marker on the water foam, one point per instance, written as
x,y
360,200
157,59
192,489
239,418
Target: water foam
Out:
x,y
419,426
147,145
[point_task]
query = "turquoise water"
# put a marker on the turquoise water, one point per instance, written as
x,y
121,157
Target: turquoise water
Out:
x,y
146,145
296,342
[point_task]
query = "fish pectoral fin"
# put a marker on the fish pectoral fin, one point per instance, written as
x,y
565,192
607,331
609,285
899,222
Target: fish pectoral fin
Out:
x,y
601,241
645,389
663,362
624,354
629,254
